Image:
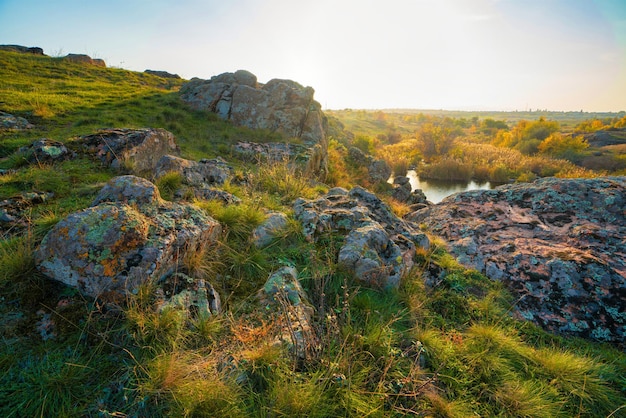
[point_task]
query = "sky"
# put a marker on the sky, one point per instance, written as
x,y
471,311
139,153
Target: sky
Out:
x,y
561,55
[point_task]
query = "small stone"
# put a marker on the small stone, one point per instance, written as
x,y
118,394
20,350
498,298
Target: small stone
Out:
x,y
275,223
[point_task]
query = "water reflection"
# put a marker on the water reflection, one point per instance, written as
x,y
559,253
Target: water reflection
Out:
x,y
437,190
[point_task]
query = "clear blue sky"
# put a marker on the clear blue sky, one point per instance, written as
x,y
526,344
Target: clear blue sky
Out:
x,y
449,54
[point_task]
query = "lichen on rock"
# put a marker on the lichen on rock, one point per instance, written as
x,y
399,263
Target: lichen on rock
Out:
x,y
287,303
281,106
130,150
129,236
557,244
379,246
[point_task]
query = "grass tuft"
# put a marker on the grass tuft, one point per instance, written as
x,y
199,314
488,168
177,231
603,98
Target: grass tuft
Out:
x,y
168,184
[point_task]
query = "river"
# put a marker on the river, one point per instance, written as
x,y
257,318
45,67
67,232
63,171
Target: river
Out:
x,y
437,190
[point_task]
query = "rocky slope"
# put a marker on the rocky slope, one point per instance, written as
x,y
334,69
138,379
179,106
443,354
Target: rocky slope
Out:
x,y
557,244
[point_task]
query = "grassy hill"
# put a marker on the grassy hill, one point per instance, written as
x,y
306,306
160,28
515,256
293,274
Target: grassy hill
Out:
x,y
450,351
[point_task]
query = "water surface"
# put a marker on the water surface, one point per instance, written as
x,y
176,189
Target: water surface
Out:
x,y
437,190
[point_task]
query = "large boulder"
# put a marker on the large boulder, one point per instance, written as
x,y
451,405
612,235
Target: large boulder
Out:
x,y
128,237
132,150
557,244
282,106
378,247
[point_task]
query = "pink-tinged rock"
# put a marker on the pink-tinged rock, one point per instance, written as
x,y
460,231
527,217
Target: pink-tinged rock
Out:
x,y
558,245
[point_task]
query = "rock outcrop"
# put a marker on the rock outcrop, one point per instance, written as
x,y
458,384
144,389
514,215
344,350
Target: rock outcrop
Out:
x,y
162,74
282,106
85,59
378,247
558,245
603,138
203,173
377,170
129,236
131,150
35,50
198,177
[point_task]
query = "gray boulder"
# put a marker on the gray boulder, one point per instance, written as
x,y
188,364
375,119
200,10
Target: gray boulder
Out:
x,y
195,298
201,173
374,257
282,106
132,150
128,237
402,189
379,247
418,197
403,192
198,177
274,224
378,170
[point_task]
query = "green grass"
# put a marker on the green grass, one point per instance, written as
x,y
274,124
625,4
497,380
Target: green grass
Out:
x,y
168,184
448,351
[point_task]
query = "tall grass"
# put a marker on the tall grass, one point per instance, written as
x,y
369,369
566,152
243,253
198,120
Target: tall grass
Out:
x,y
282,180
451,349
501,164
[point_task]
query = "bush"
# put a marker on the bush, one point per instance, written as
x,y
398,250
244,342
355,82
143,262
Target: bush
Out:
x,y
448,169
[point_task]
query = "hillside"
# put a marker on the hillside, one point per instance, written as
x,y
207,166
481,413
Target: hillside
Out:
x,y
157,260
